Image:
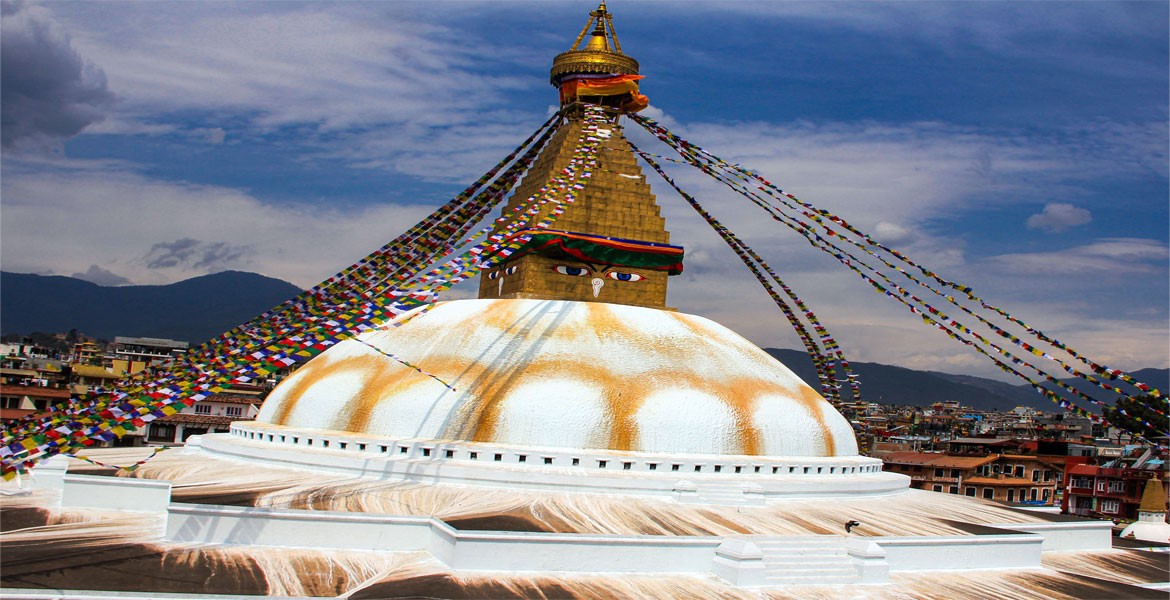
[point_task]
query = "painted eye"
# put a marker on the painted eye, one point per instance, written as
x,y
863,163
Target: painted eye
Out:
x,y
511,270
571,271
494,275
618,275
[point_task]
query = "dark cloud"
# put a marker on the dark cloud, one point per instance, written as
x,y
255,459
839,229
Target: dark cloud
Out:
x,y
100,276
194,254
47,91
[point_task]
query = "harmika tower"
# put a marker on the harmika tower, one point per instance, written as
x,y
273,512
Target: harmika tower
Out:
x,y
611,245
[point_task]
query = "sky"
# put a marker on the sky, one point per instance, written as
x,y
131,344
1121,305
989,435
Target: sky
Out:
x,y
1017,147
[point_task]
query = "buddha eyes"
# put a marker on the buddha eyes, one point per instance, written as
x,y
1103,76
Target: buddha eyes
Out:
x,y
571,271
583,271
507,271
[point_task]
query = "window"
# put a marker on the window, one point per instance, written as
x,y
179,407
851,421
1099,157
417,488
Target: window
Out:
x,y
403,449
955,473
940,473
1047,475
936,488
576,462
1019,470
498,457
970,491
426,451
473,455
548,460
203,409
447,453
652,466
626,466
1117,487
1100,486
601,464
989,493
954,489
1011,495
160,432
718,468
522,457
1046,493
1032,494
234,411
674,467
1110,506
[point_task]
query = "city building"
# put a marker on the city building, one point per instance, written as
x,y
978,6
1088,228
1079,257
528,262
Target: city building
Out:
x,y
214,414
146,350
1112,488
1010,478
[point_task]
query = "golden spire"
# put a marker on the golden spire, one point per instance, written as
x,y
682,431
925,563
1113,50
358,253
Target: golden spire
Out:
x,y
601,54
1153,497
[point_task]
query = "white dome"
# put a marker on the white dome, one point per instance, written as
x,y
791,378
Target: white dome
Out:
x,y
582,375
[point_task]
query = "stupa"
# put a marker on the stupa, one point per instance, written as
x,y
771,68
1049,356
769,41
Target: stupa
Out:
x,y
1151,525
576,437
570,346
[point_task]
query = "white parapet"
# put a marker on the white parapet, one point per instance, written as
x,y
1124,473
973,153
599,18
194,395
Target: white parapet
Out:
x,y
115,493
962,552
1068,536
714,479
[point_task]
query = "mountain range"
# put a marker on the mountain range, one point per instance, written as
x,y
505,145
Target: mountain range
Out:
x,y
194,310
198,309
887,384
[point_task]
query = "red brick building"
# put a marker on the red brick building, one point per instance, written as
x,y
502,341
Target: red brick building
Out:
x,y
1113,489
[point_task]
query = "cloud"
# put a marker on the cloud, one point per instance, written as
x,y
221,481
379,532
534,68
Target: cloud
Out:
x,y
1058,216
65,216
100,276
292,64
195,255
48,91
1110,256
1004,28
213,135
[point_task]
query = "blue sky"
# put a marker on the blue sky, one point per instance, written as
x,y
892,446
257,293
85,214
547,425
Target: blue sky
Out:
x,y
1019,147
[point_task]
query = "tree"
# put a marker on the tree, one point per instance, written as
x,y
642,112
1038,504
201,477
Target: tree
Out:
x,y
1133,414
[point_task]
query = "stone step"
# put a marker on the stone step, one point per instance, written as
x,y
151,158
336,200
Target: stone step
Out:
x,y
823,542
813,580
803,559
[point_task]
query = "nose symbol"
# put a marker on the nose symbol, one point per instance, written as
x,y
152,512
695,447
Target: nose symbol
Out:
x,y
597,283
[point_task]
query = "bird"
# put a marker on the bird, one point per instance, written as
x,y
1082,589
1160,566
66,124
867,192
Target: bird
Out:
x,y
850,525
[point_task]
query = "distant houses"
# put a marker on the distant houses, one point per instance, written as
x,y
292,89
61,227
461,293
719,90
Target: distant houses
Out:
x,y
34,379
